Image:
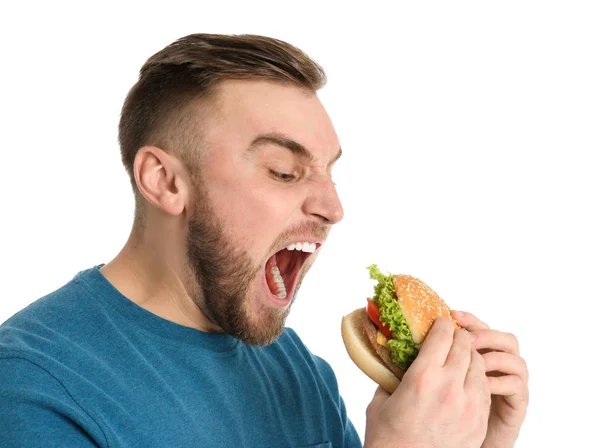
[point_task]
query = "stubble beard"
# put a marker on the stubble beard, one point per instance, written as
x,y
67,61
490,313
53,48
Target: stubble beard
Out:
x,y
223,275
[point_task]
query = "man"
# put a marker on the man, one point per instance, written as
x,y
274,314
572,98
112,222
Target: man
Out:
x,y
180,339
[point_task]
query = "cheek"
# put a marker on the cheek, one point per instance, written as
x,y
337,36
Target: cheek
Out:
x,y
254,215
252,208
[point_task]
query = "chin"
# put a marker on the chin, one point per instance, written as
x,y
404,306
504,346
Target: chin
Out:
x,y
265,316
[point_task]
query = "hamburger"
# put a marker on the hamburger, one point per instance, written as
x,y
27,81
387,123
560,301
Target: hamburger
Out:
x,y
383,338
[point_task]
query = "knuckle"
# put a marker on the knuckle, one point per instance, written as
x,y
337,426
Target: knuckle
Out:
x,y
459,333
443,323
489,360
519,383
423,380
462,340
514,342
486,400
525,368
450,394
370,410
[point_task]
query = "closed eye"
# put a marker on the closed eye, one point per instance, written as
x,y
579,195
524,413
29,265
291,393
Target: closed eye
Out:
x,y
283,177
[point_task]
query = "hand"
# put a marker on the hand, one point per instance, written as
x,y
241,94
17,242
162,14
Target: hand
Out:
x,y
442,401
507,377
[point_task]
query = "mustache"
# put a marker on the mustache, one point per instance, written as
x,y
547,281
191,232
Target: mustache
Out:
x,y
307,228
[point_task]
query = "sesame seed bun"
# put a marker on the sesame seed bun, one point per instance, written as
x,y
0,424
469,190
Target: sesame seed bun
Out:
x,y
420,305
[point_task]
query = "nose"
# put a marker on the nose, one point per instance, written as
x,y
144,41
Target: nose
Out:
x,y
323,202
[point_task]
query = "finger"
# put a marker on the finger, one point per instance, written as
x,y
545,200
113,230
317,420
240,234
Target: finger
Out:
x,y
475,378
468,321
379,398
512,389
436,346
506,385
495,340
506,363
381,394
459,356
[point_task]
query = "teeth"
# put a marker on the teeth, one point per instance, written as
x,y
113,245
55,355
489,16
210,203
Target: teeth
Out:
x,y
276,274
282,293
303,246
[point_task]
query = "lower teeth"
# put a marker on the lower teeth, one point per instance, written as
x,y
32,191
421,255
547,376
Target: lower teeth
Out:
x,y
282,292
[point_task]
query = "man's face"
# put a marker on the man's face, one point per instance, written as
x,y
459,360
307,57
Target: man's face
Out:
x,y
264,185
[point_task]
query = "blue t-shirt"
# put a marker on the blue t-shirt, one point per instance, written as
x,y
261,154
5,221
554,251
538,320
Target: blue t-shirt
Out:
x,y
85,367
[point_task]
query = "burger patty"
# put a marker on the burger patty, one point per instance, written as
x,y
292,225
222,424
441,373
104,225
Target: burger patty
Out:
x,y
370,331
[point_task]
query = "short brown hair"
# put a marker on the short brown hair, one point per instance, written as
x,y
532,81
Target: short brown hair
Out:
x,y
157,110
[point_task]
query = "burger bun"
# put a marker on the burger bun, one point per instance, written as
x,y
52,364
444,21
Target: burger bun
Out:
x,y
362,353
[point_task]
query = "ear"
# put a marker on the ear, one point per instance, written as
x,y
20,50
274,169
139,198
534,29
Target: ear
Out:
x,y
161,179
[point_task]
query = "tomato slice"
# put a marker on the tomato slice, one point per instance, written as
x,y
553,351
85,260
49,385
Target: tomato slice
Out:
x,y
373,312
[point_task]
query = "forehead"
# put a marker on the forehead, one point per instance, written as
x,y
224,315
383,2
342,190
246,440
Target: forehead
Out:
x,y
244,109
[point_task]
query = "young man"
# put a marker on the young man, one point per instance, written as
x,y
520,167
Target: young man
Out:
x,y
180,339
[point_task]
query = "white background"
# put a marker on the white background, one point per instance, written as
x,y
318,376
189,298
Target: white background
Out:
x,y
470,133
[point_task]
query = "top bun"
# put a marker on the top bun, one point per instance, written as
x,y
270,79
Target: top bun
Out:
x,y
420,305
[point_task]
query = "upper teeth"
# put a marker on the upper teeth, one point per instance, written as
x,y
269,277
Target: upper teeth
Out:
x,y
304,247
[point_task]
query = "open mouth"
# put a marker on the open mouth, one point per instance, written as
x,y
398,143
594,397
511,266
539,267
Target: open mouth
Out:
x,y
283,267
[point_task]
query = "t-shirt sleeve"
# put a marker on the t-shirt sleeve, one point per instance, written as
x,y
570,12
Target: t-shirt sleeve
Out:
x,y
36,410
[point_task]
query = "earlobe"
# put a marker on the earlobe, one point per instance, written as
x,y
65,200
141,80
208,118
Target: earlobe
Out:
x,y
159,179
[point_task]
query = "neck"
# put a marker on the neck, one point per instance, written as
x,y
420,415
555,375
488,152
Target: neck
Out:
x,y
151,274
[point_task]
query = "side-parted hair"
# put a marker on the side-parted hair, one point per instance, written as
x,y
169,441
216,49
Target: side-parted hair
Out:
x,y
161,109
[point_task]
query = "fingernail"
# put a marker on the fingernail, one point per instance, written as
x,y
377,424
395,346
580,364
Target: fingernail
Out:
x,y
458,313
473,337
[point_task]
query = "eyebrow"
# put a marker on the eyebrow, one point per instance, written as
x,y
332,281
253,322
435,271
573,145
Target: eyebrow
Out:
x,y
291,145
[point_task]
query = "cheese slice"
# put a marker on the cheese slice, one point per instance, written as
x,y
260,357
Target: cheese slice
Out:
x,y
381,339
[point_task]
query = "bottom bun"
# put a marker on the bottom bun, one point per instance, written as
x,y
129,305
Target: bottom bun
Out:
x,y
362,353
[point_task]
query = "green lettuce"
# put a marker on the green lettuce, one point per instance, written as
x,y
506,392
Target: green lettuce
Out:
x,y
402,347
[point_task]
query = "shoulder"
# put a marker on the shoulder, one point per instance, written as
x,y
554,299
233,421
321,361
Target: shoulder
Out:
x,y
21,374
48,324
26,382
53,304
291,341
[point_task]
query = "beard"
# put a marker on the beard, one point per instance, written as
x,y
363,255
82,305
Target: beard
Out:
x,y
222,276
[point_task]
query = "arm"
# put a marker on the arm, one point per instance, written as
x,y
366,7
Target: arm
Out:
x,y
36,410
